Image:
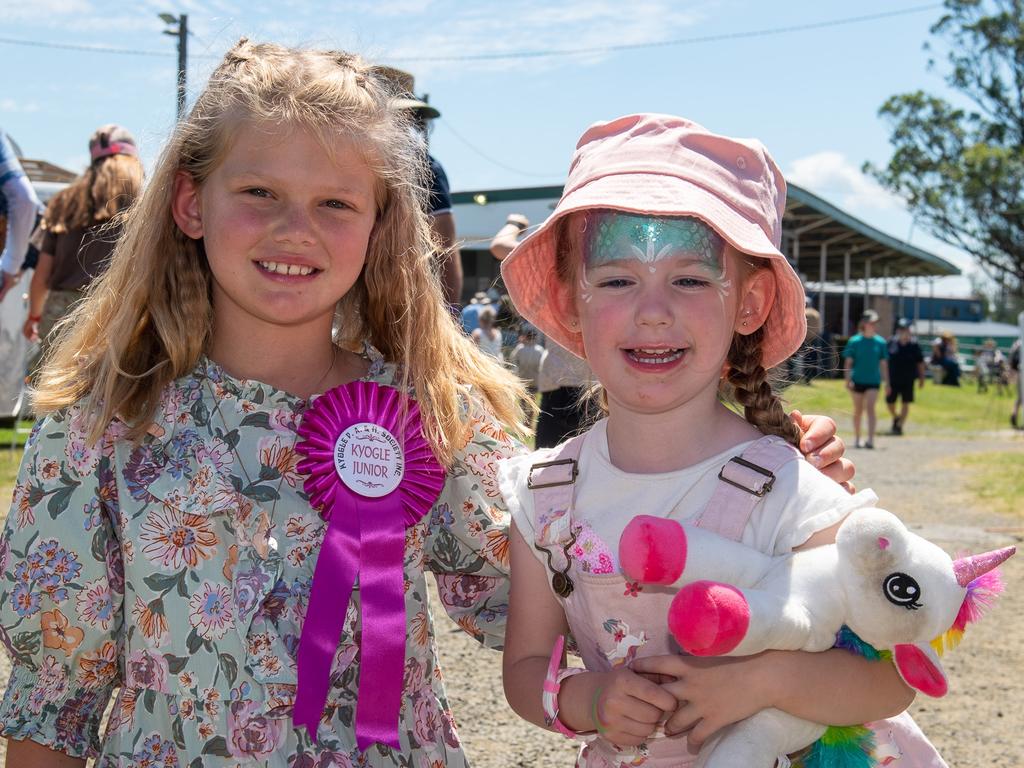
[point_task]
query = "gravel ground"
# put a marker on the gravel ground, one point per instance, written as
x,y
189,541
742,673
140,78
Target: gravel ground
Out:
x,y
981,722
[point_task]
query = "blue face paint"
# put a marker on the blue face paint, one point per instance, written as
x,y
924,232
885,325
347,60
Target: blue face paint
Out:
x,y
618,236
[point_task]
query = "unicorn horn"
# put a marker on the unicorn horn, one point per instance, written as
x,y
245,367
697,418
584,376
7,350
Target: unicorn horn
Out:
x,y
967,569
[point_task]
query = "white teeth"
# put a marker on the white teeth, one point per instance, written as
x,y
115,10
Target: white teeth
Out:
x,y
662,359
285,269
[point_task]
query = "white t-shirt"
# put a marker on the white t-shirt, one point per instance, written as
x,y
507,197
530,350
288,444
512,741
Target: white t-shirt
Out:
x,y
802,501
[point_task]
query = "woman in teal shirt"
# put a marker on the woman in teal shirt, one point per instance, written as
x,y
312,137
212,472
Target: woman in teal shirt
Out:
x,y
866,369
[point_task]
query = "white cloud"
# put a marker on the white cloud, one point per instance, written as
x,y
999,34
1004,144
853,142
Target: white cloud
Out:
x,y
832,176
11,105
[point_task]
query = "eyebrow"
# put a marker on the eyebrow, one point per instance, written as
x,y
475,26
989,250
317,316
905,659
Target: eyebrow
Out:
x,y
690,260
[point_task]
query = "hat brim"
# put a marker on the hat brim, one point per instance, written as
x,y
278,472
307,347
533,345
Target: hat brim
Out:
x,y
530,273
422,107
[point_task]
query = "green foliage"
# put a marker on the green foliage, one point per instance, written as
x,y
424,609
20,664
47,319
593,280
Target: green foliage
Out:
x,y
961,169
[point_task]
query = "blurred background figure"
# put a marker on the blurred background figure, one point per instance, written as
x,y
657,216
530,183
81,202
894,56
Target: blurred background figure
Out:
x,y
19,207
1016,352
81,228
470,313
944,360
439,203
866,371
563,379
991,368
906,363
487,336
526,357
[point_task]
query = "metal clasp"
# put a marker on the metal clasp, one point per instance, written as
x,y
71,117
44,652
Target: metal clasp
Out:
x,y
767,486
572,474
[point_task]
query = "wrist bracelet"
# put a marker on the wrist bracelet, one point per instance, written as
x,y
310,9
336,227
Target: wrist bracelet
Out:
x,y
552,684
34,318
595,715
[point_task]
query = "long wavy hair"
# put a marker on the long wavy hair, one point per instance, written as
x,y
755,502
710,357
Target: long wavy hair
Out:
x,y
110,185
149,318
746,383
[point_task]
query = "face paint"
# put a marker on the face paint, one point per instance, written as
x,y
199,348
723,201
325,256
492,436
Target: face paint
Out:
x,y
616,236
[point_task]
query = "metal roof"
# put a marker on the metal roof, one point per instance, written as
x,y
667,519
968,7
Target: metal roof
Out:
x,y
813,222
808,220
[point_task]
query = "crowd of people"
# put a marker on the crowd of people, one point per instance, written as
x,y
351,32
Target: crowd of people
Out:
x,y
288,268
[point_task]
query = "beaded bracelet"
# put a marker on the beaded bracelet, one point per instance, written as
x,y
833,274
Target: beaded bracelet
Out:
x,y
552,684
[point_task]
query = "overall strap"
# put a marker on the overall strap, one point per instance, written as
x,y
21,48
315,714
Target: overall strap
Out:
x,y
743,482
551,483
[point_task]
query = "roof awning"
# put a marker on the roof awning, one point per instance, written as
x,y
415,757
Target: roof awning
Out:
x,y
810,223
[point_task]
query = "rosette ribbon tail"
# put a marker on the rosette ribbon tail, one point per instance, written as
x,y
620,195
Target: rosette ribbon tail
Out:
x,y
333,579
382,585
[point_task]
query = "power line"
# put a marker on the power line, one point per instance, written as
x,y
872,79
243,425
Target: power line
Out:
x,y
678,42
447,124
533,54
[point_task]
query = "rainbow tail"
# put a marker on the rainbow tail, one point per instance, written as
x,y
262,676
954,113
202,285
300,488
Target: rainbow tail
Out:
x,y
839,747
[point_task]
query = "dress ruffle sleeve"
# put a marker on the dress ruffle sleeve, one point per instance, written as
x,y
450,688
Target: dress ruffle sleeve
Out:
x,y
467,544
61,589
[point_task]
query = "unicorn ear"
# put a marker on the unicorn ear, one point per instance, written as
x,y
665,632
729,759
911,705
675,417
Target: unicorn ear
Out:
x,y
920,668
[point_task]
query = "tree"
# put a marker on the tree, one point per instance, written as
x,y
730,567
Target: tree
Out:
x,y
961,168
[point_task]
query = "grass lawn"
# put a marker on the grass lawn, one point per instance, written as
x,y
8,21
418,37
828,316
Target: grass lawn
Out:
x,y
936,410
997,479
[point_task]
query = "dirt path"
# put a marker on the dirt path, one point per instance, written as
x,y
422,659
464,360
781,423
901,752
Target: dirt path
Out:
x,y
981,721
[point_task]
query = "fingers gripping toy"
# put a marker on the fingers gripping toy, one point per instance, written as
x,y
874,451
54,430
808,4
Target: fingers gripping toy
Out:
x,y
895,591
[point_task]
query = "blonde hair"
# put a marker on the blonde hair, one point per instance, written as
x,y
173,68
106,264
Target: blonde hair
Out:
x,y
109,186
746,383
149,318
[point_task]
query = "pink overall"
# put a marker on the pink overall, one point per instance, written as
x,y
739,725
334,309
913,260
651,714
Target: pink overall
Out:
x,y
615,621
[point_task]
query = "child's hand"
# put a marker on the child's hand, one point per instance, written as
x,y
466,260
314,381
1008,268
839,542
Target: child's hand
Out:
x,y
711,693
823,448
626,707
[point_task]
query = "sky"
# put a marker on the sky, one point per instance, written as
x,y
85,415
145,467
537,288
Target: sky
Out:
x,y
806,78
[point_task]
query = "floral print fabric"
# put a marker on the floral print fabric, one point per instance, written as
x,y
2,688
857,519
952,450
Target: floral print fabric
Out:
x,y
178,574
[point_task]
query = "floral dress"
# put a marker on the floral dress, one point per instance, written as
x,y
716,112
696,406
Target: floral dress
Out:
x,y
177,571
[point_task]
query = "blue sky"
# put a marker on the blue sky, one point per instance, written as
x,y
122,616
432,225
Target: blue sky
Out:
x,y
810,95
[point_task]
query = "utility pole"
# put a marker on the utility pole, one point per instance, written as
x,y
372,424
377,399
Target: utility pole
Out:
x,y
181,32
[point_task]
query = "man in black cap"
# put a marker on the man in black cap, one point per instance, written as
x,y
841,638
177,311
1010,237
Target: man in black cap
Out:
x,y
439,204
906,363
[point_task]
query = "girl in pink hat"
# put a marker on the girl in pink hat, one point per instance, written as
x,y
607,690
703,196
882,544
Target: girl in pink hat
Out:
x,y
661,267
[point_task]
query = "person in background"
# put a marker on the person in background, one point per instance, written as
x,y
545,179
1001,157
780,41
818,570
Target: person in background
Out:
x,y
865,371
470,313
990,367
18,202
487,336
906,363
81,228
526,358
944,355
564,378
439,202
1015,354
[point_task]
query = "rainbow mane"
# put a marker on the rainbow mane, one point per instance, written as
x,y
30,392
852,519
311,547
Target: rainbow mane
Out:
x,y
981,593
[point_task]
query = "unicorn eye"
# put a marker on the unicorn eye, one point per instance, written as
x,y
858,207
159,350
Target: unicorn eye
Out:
x,y
902,590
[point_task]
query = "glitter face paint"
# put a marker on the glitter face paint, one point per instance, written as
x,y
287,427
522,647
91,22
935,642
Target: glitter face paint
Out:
x,y
615,235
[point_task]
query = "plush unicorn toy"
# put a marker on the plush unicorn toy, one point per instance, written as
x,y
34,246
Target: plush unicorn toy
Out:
x,y
894,590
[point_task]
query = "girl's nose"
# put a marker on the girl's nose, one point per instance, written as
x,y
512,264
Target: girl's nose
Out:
x,y
294,226
653,308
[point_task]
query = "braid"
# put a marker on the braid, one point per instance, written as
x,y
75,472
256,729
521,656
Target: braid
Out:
x,y
751,389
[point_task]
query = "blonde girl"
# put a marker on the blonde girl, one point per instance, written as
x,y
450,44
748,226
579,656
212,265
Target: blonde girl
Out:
x,y
160,541
81,226
661,267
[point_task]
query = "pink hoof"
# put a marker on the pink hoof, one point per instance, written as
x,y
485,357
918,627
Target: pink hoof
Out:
x,y
652,550
708,619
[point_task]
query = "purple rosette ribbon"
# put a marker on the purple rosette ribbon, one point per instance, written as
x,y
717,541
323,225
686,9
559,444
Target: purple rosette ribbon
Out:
x,y
371,473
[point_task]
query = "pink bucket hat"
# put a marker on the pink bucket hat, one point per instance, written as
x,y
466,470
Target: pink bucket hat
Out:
x,y
667,166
